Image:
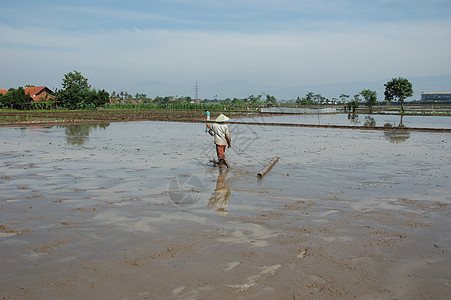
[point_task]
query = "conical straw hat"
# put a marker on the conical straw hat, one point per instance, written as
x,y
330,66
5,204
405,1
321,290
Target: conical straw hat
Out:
x,y
221,118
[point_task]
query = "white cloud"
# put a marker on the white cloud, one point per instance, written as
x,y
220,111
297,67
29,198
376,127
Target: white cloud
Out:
x,y
114,59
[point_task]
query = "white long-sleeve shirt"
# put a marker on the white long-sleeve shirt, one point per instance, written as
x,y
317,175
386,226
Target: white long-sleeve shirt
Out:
x,y
221,131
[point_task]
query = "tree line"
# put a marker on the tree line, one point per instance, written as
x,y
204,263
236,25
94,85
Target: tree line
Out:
x,y
397,89
76,93
250,101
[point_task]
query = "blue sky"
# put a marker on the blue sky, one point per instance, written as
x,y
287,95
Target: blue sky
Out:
x,y
116,44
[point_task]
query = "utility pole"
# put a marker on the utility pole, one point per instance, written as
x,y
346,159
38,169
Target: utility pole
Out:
x,y
196,89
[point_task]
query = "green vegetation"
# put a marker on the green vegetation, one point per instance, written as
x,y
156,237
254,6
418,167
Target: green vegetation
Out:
x,y
168,106
311,99
398,88
352,106
77,93
77,96
370,98
123,100
15,99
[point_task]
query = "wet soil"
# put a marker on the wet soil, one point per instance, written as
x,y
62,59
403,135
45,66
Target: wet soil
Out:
x,y
99,116
133,210
55,117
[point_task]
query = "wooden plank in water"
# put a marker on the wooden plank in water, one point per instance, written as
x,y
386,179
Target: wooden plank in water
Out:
x,y
268,167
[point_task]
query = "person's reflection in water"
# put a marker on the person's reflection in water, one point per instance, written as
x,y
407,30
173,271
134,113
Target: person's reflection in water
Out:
x,y
221,195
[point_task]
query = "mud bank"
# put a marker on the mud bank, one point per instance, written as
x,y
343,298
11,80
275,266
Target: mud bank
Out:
x,y
382,122
134,210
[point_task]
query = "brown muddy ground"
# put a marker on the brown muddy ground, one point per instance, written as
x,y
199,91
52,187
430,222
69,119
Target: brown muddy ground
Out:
x,y
92,213
98,116
55,117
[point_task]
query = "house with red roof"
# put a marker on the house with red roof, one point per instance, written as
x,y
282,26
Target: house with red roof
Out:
x,y
39,93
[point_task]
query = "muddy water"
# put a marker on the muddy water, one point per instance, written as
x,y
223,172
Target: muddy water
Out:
x,y
373,120
135,210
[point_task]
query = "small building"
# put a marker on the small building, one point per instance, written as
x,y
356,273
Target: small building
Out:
x,y
436,97
39,93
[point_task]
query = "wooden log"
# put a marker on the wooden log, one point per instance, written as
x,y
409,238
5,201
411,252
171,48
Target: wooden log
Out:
x,y
268,167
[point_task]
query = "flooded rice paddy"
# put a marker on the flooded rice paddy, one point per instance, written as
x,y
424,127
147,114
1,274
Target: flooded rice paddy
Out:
x,y
365,120
135,210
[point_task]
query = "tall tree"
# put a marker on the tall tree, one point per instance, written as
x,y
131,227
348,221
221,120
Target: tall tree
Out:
x,y
271,100
75,81
302,101
310,97
319,98
254,100
76,93
353,105
398,88
357,98
343,97
370,98
74,85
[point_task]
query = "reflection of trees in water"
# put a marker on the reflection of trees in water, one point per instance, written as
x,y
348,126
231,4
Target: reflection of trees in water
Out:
x,y
400,122
354,118
369,122
77,134
396,136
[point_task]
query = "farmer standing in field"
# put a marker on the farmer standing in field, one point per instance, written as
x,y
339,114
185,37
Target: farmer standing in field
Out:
x,y
220,132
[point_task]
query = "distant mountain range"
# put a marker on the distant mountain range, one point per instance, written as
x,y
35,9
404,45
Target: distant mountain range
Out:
x,y
241,88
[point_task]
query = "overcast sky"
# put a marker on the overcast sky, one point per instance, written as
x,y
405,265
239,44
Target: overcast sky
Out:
x,y
116,44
